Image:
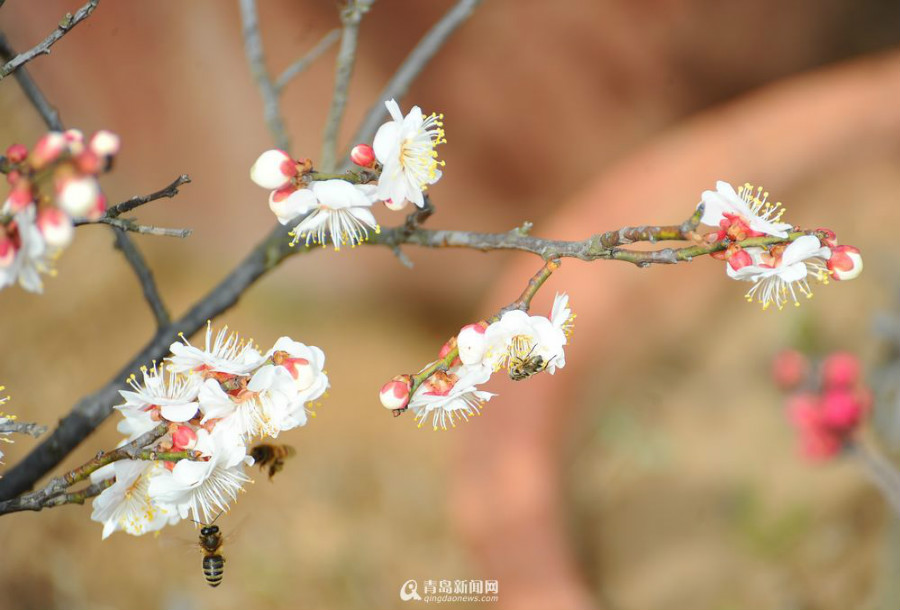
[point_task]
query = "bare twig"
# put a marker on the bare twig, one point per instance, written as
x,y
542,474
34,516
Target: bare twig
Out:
x,y
11,426
426,48
130,204
879,471
351,16
129,224
31,90
145,277
65,25
253,49
304,62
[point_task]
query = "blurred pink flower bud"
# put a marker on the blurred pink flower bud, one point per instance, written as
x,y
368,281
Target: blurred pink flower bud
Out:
x,y
395,393
363,155
393,206
56,227
789,369
104,143
803,411
16,153
78,195
48,149
7,250
74,140
841,411
845,263
273,169
820,444
20,197
840,370
88,162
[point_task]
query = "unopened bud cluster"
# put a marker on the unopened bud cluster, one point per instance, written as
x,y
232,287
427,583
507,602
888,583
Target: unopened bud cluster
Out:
x,y
397,168
826,408
215,401
49,186
524,345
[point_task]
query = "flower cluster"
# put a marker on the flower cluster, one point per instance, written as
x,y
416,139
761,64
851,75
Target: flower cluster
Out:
x,y
828,408
50,186
781,272
397,168
524,345
215,400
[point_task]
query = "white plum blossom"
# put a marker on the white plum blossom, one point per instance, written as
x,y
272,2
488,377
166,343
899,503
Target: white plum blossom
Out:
x,y
334,208
205,488
305,364
471,343
127,504
781,274
752,207
446,398
273,169
517,337
405,148
228,353
24,254
171,394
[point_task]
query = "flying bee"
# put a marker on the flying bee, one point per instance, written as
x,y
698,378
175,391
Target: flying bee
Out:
x,y
272,456
211,544
523,367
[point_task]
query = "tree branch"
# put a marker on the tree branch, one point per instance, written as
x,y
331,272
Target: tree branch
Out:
x,y
137,201
145,278
65,25
31,90
414,63
253,49
11,426
351,16
304,62
129,224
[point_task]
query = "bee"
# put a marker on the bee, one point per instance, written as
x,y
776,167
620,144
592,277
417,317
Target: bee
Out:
x,y
211,544
272,456
520,368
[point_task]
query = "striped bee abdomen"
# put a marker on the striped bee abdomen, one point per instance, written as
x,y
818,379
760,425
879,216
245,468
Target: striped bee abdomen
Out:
x,y
213,568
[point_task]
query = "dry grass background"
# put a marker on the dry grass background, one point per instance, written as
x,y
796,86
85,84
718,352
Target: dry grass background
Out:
x,y
655,471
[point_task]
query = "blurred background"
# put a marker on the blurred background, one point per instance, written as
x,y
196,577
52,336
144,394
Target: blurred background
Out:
x,y
656,470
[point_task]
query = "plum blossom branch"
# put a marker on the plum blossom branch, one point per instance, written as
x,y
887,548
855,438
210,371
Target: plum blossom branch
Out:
x,y
129,224
48,113
415,62
351,17
304,62
43,48
54,493
139,200
253,49
145,277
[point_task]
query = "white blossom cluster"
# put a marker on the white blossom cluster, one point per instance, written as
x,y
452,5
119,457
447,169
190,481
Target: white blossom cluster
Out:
x,y
215,400
402,155
50,186
520,343
780,273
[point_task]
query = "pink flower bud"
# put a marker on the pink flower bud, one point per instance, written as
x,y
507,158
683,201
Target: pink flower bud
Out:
x,y
803,411
7,250
392,205
78,195
363,155
789,369
395,393
48,149
840,370
471,343
16,153
845,262
273,169
841,411
301,370
440,383
829,238
184,437
819,445
88,162
74,140
56,227
104,143
20,197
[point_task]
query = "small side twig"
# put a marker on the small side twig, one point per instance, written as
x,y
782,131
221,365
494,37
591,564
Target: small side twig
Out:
x,y
43,48
145,277
304,62
253,49
129,224
11,426
415,62
351,16
879,471
137,201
